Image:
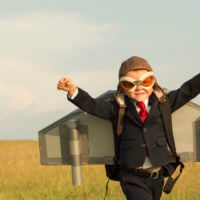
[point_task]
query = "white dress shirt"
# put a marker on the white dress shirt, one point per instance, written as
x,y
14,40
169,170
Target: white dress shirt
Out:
x,y
74,95
147,161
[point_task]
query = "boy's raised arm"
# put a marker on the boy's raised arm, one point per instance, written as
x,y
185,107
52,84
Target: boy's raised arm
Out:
x,y
100,108
185,93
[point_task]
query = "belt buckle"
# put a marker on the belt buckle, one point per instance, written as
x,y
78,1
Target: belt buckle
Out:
x,y
156,175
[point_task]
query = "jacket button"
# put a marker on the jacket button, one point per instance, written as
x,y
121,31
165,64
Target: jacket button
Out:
x,y
145,130
144,145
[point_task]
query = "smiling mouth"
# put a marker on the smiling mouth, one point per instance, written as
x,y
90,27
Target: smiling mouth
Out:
x,y
139,93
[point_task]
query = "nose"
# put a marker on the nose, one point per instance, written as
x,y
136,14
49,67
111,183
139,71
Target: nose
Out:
x,y
138,87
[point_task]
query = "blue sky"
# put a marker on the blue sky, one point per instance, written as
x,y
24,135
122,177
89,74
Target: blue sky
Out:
x,y
42,41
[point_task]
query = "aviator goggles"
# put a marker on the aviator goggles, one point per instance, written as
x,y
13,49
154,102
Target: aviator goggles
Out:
x,y
146,81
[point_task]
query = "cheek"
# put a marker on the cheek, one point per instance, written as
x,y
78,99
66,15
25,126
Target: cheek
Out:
x,y
149,92
129,94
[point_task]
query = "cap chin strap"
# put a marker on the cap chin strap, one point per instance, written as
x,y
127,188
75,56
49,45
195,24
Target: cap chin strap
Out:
x,y
158,94
122,106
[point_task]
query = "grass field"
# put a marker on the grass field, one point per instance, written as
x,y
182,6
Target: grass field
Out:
x,y
23,178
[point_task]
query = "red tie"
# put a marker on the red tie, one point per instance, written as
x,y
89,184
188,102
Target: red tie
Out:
x,y
143,113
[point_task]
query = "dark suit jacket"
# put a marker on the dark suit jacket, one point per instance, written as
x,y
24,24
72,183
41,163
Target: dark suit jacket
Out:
x,y
137,136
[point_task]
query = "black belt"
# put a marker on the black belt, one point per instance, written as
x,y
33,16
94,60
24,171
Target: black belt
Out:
x,y
143,173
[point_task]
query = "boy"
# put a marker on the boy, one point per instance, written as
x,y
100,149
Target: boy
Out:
x,y
143,145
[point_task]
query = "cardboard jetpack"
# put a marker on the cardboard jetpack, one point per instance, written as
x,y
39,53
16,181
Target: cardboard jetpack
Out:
x,y
81,139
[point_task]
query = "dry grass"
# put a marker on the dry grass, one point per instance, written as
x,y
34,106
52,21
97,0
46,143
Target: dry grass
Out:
x,y
23,178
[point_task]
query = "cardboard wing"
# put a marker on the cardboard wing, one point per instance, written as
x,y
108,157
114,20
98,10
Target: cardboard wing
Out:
x,y
96,140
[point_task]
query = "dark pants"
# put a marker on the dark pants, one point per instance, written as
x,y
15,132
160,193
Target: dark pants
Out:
x,y
139,188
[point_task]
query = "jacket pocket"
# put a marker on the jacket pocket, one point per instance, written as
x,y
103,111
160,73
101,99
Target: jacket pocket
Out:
x,y
161,141
128,144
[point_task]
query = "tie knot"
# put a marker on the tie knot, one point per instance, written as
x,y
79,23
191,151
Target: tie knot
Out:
x,y
143,113
141,105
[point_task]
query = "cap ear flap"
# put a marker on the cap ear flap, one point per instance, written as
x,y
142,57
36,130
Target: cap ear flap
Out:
x,y
159,92
119,97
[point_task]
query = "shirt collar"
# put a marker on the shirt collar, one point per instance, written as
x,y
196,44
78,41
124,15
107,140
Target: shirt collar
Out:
x,y
145,102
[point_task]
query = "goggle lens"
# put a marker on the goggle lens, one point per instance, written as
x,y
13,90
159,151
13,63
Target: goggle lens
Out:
x,y
148,81
126,85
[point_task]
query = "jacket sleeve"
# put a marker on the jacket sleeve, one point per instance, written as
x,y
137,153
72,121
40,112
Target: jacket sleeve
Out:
x,y
185,93
98,107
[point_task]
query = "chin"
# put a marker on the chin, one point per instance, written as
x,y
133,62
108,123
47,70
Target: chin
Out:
x,y
138,99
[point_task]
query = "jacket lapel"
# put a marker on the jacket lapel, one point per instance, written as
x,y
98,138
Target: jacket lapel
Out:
x,y
153,114
132,113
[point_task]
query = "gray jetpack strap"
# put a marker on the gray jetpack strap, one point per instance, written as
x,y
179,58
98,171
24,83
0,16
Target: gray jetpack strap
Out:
x,y
167,121
166,116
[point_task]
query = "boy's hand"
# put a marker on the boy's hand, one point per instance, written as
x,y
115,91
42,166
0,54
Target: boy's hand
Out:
x,y
67,85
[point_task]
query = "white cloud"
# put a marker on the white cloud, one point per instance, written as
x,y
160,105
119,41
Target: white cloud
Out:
x,y
15,98
30,44
47,37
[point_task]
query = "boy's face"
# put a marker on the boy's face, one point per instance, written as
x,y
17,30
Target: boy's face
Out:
x,y
139,94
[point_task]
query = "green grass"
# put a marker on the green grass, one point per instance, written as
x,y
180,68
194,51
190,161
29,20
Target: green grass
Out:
x,y
23,178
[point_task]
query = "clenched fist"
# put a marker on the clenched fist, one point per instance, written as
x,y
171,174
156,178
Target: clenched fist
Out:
x,y
67,85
